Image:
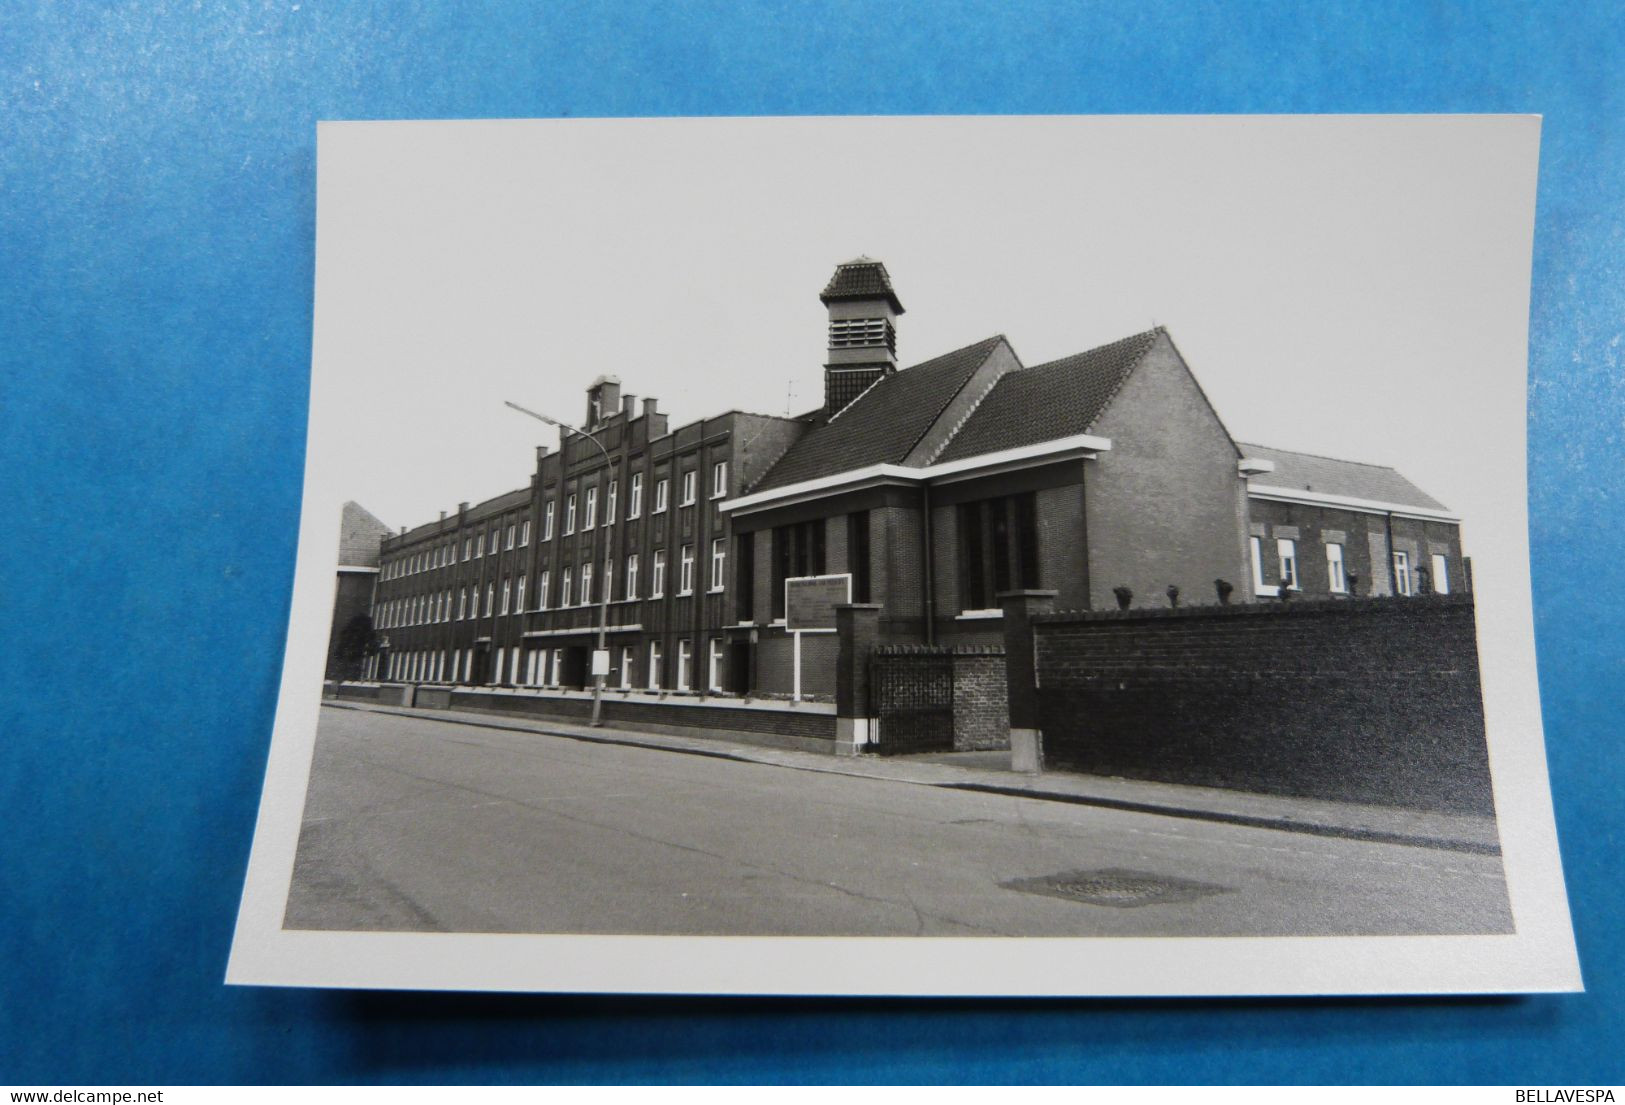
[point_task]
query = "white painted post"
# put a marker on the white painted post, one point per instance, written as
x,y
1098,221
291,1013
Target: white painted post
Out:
x,y
796,693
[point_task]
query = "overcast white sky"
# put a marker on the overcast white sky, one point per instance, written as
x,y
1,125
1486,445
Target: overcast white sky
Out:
x,y
1354,286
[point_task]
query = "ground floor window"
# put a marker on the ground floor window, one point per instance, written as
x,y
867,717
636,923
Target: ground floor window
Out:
x,y
654,665
998,548
1441,574
1402,573
496,668
1336,578
685,663
1286,550
628,655
713,679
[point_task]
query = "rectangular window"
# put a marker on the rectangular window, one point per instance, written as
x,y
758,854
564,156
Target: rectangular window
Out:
x,y
634,495
507,595
713,678
719,563
564,589
558,667
628,657
512,530
1255,549
590,510
745,577
1286,551
719,479
519,596
1441,574
857,554
456,663
632,575
479,544
547,521
798,550
495,535
609,502
524,533
468,547
541,590
490,597
685,570
496,668
657,575
688,488
1402,573
655,659
998,548
586,584
660,496
1336,579
685,663
570,514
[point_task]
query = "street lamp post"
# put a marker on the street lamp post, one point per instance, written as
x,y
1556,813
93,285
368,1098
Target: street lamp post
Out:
x,y
604,584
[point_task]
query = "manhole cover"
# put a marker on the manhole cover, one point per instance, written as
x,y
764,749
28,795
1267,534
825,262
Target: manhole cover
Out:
x,y
1114,886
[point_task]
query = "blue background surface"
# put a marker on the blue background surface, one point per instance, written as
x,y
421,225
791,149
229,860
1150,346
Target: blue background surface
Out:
x,y
157,187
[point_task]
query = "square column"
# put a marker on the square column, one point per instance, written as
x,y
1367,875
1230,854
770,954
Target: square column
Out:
x,y
1020,672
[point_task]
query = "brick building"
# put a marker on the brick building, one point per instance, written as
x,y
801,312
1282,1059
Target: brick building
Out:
x,y
351,640
933,487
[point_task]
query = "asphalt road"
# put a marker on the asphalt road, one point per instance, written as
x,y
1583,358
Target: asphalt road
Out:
x,y
419,825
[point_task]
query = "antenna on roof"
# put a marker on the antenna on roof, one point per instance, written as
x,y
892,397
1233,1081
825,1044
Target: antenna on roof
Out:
x,y
789,397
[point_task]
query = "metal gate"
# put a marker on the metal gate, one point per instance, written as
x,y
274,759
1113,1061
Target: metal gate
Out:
x,y
912,691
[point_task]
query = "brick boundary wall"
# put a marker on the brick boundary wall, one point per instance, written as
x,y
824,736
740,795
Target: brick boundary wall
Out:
x,y
1370,700
654,716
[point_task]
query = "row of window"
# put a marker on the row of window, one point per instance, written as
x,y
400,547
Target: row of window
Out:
x,y
474,547
518,533
1406,582
544,667
574,590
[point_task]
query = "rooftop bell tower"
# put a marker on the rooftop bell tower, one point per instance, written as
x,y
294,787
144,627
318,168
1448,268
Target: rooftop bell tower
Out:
x,y
863,312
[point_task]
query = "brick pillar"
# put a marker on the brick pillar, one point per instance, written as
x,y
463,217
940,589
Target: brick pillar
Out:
x,y
1026,739
858,625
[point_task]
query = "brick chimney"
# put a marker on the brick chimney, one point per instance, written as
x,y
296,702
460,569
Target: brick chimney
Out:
x,y
603,399
863,312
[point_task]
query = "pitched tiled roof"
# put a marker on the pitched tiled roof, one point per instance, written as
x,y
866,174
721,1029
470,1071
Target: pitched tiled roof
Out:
x,y
1048,401
860,278
359,534
884,423
1308,472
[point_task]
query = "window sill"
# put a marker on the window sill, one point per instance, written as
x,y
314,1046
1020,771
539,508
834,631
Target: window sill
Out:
x,y
977,615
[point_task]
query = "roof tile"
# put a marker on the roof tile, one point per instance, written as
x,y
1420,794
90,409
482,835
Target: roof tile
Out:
x,y
1328,476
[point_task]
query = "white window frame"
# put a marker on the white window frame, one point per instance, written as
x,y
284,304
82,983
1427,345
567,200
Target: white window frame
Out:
x,y
496,539
512,533
524,533
628,658
589,510
1255,549
541,589
564,588
468,548
719,479
713,681
479,546
570,514
662,491
1441,573
586,583
609,501
657,575
1337,577
1401,561
685,570
519,595
719,564
1286,552
634,495
685,663
631,575
656,658
490,597
690,481
507,596
547,520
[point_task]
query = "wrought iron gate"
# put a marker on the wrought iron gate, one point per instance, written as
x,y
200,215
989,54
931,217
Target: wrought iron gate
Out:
x,y
912,691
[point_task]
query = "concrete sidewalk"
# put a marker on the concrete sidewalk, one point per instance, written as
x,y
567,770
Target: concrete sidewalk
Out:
x,y
988,773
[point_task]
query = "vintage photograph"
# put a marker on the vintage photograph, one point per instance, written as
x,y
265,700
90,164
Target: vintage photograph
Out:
x,y
913,529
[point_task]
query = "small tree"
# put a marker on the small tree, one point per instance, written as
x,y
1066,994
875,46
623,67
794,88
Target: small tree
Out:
x,y
1223,587
1124,597
1173,595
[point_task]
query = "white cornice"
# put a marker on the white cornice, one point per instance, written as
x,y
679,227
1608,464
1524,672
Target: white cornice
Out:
x,y
1084,446
1348,502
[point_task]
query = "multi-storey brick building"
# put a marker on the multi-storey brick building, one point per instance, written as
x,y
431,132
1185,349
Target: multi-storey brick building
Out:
x,y
933,488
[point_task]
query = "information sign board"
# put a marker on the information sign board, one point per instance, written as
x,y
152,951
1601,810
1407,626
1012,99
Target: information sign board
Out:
x,y
810,602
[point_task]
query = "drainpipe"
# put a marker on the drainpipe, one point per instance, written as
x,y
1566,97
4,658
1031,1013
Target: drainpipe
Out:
x,y
1393,577
928,575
